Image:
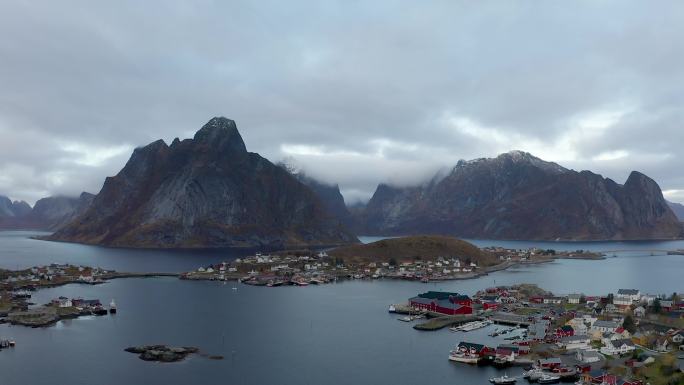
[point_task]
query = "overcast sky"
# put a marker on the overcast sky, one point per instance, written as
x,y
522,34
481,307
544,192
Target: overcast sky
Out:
x,y
357,92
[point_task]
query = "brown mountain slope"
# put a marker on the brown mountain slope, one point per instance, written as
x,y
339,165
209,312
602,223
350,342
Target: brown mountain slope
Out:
x,y
519,196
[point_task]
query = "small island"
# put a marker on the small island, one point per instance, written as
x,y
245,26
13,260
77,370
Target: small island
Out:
x,y
162,353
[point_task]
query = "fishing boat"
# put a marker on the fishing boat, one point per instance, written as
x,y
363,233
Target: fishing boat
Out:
x,y
548,379
112,307
533,374
464,355
503,380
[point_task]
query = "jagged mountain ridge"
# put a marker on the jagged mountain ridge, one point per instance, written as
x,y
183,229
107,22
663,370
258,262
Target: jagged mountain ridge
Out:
x,y
519,196
204,192
329,194
47,214
9,208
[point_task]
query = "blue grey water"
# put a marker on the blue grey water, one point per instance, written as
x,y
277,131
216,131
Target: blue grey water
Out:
x,y
330,334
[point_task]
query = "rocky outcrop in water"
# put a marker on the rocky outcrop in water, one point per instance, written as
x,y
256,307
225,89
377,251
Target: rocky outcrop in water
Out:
x,y
519,196
162,353
207,191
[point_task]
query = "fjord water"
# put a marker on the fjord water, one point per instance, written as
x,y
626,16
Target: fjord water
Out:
x,y
333,334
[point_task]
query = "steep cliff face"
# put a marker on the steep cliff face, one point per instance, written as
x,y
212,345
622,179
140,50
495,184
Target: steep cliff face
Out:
x,y
53,212
519,196
328,194
204,192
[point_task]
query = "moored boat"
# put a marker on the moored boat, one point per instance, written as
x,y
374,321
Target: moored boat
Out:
x,y
392,309
465,355
503,380
474,325
112,307
466,358
548,379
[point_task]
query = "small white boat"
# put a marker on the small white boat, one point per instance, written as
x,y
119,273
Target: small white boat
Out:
x,y
408,318
112,307
474,325
392,309
547,378
503,380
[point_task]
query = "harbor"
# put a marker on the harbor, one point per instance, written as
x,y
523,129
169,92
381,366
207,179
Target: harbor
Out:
x,y
572,338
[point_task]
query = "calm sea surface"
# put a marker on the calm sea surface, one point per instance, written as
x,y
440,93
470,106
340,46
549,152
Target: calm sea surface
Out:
x,y
330,334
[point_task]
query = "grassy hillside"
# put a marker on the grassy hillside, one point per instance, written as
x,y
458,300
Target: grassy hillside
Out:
x,y
425,247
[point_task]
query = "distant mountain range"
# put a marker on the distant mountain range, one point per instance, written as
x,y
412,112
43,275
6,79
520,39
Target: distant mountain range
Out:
x,y
209,191
47,214
205,192
677,209
519,196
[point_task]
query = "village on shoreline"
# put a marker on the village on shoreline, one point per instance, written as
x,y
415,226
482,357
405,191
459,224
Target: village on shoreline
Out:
x,y
628,337
578,336
301,268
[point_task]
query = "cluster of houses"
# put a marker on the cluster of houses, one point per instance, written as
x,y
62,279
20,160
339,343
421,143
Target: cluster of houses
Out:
x,y
588,329
535,253
261,268
271,270
442,268
48,275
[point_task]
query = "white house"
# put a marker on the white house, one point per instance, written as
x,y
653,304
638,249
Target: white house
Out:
x,y
574,298
626,297
587,356
617,347
604,326
65,302
574,342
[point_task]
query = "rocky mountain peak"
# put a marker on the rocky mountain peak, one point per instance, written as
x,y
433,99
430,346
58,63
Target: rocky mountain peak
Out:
x,y
221,133
206,192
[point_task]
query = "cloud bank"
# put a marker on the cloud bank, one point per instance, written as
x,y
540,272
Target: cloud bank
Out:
x,y
358,92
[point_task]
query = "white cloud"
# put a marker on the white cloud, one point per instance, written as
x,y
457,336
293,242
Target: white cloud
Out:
x,y
93,156
355,90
